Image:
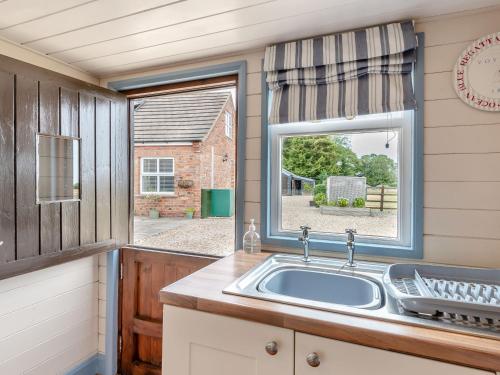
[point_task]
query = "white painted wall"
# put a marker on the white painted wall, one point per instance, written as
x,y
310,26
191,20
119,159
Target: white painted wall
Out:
x,y
462,204
49,318
102,303
462,179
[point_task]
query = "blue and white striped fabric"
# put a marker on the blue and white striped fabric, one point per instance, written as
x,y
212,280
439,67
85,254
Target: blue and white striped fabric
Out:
x,y
342,75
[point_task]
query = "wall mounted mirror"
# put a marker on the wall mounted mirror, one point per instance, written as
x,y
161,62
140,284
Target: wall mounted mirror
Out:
x,y
58,168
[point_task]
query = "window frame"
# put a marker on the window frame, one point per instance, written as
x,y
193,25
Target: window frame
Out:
x,y
228,126
157,174
363,124
413,248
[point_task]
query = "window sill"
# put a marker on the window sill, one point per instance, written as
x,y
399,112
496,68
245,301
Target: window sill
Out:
x,y
385,250
166,195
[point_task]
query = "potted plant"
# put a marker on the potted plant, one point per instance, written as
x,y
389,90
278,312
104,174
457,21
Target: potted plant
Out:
x,y
153,211
190,212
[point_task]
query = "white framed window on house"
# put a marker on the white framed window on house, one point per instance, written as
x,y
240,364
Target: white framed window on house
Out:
x,y
229,124
338,174
157,176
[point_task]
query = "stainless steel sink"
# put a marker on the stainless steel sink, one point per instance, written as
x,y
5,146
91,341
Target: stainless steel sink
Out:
x,y
322,283
322,286
327,284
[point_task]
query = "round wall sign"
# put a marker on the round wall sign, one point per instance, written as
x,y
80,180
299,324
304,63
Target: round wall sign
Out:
x,y
476,76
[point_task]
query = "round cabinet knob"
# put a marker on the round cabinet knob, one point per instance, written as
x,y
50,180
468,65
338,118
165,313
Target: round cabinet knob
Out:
x,y
272,348
313,359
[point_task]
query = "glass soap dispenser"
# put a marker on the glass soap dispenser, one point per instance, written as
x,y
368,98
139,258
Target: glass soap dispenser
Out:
x,y
251,239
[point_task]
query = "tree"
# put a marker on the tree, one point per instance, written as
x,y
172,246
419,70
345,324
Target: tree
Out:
x,y
319,157
379,170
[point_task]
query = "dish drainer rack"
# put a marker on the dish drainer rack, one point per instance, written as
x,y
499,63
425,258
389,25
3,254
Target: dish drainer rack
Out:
x,y
466,296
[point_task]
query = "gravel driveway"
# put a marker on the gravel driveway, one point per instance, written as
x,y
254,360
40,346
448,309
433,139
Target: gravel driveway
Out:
x,y
212,236
297,212
215,236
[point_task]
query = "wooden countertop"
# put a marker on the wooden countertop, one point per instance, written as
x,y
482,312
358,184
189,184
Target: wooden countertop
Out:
x,y
203,291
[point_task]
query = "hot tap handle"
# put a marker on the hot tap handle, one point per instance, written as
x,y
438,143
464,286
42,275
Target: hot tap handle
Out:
x,y
305,230
350,234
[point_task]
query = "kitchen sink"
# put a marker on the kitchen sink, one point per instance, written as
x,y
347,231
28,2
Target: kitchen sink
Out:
x,y
325,284
322,286
329,284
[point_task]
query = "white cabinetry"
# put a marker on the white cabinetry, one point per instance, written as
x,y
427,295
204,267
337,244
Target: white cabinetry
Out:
x,y
197,343
343,358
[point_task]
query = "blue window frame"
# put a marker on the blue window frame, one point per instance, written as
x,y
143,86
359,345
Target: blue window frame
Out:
x,y
407,242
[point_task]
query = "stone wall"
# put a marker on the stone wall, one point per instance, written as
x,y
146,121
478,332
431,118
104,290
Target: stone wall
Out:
x,y
345,187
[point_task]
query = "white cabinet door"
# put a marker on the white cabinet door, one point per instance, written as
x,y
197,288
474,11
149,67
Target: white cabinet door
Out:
x,y
342,358
198,343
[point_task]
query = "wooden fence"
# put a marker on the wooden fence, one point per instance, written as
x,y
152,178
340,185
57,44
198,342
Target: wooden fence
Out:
x,y
382,197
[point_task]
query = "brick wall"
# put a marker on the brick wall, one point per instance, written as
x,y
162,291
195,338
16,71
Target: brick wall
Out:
x,y
191,162
186,166
224,171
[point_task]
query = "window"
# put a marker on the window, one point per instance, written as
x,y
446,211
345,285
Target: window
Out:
x,y
58,167
157,176
339,174
229,125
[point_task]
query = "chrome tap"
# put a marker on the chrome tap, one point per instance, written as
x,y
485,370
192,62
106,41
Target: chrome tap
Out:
x,y
304,238
350,247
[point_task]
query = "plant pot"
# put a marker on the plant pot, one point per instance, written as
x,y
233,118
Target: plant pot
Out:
x,y
189,215
154,213
312,204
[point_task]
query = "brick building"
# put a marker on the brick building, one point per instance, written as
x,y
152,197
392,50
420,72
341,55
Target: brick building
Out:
x,y
183,143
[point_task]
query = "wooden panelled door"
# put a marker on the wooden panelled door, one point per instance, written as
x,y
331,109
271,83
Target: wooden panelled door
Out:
x,y
144,273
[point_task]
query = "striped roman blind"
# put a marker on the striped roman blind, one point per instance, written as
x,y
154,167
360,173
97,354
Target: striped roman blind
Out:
x,y
342,75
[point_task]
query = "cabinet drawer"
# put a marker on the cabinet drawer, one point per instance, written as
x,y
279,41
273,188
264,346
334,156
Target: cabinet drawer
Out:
x,y
342,358
198,343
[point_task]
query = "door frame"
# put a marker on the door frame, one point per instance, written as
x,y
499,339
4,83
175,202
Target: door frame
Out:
x,y
238,68
112,358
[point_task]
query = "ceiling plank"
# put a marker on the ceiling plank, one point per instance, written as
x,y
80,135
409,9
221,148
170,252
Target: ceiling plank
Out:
x,y
116,36
242,17
20,11
267,31
90,14
150,21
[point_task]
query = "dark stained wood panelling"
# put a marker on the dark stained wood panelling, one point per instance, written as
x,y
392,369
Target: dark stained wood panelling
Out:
x,y
70,211
119,133
87,180
103,169
27,211
35,100
50,214
7,184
